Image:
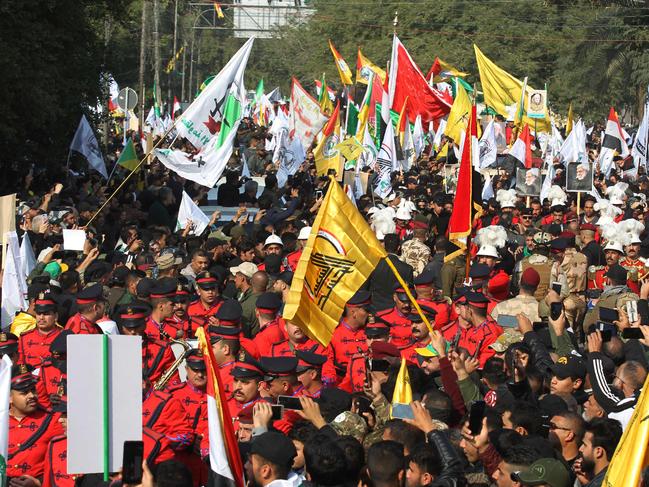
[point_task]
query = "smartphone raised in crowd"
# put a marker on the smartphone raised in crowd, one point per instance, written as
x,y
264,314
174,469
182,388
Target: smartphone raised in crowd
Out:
x,y
132,462
290,402
608,315
507,321
555,310
476,415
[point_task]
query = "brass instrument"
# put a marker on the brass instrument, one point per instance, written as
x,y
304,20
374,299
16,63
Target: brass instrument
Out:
x,y
161,383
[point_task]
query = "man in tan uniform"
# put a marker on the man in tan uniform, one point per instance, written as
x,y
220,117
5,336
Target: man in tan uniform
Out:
x,y
525,302
575,267
415,252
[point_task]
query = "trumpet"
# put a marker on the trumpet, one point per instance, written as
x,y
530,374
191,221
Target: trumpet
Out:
x,y
161,383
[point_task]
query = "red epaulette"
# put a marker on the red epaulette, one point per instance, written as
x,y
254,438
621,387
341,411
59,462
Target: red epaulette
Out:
x,y
164,395
175,387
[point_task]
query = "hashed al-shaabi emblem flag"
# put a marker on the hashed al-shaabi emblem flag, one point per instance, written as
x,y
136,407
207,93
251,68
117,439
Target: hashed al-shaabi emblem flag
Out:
x,y
341,253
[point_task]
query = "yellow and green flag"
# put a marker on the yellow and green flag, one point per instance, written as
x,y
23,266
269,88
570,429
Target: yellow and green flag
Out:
x,y
326,155
365,68
343,69
128,158
340,254
402,390
458,118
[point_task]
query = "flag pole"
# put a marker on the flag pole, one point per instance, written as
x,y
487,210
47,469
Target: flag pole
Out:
x,y
578,201
106,403
408,293
128,176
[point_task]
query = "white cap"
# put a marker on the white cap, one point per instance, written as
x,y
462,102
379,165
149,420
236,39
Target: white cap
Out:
x,y
487,250
614,245
245,268
403,214
273,239
304,233
616,198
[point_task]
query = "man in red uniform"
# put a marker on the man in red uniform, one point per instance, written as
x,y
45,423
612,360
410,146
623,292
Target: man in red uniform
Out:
x,y
420,336
178,325
270,331
91,305
157,355
225,345
56,459
427,296
280,378
484,330
193,396
52,374
397,317
635,267
309,373
34,345
209,301
163,413
356,375
294,257
296,340
229,315
247,374
613,252
348,338
30,429
162,308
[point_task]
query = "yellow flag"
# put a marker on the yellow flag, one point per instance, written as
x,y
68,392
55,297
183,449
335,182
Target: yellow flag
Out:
x,y
350,148
443,152
631,454
458,117
569,122
326,154
402,390
365,67
447,71
502,92
343,70
340,254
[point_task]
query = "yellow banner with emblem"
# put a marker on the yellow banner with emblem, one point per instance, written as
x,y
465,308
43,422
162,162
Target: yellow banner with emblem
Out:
x,y
340,254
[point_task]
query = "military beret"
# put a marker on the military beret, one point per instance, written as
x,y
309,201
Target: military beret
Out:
x,y
274,447
479,271
384,350
617,273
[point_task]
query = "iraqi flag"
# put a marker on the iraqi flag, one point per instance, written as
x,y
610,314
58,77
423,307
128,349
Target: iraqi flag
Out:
x,y
175,108
225,459
522,148
613,143
407,81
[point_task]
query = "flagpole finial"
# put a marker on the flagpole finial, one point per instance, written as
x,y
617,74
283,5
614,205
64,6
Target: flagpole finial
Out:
x,y
395,21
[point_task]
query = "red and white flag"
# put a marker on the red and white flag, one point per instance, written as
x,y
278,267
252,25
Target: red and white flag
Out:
x,y
613,143
176,108
225,459
407,81
522,148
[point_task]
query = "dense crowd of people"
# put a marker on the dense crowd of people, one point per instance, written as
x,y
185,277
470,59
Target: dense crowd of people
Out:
x,y
528,375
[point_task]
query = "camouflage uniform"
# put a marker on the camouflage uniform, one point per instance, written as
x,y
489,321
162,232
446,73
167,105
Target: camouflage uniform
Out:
x,y
348,423
528,305
415,253
613,297
575,268
542,265
453,274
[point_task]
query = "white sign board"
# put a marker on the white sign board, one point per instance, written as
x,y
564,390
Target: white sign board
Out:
x,y
73,239
85,400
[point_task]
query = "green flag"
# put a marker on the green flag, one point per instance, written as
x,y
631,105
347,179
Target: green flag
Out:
x,y
260,90
231,115
156,105
128,158
352,118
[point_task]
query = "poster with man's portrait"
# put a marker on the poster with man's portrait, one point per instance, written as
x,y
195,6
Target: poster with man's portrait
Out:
x,y
451,173
536,103
579,177
528,181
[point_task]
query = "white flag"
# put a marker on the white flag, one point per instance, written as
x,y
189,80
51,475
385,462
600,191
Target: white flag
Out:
x,y
418,138
547,182
437,140
573,148
488,147
27,258
14,285
488,189
386,160
5,392
190,211
639,149
305,119
86,143
200,122
245,170
408,149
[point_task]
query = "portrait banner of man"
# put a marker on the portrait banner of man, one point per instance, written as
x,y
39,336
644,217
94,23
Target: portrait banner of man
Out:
x,y
451,173
528,181
536,103
579,177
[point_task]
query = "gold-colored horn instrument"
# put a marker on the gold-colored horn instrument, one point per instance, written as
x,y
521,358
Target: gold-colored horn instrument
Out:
x,y
161,383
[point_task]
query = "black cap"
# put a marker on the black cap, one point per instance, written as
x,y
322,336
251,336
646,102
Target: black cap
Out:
x,y
274,447
425,279
569,366
91,294
360,299
96,270
268,303
22,378
617,273
286,276
230,311
559,244
246,368
44,303
194,360
278,366
401,292
60,344
527,212
163,288
37,286
218,333
144,286
309,360
479,271
208,280
377,330
551,405
477,299
120,274
133,315
8,343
